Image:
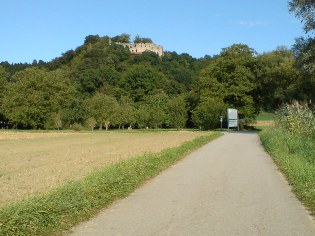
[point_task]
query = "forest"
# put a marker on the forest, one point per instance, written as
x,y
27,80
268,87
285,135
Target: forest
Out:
x,y
102,85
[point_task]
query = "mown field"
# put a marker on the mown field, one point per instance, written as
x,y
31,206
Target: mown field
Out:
x,y
33,162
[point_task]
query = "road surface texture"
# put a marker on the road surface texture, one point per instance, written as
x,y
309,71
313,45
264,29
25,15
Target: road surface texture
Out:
x,y
228,187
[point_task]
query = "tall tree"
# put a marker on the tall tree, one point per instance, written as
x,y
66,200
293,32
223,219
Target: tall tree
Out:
x,y
231,77
304,48
3,86
176,112
35,96
102,108
277,78
125,112
152,111
305,10
140,80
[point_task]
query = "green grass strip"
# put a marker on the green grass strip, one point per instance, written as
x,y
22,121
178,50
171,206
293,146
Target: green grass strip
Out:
x,y
266,116
295,157
57,211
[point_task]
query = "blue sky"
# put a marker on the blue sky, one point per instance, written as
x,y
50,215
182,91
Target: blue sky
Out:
x,y
37,29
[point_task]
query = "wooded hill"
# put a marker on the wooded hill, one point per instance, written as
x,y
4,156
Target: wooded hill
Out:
x,y
103,85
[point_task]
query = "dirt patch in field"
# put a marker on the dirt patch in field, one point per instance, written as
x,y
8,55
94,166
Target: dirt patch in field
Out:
x,y
36,162
264,123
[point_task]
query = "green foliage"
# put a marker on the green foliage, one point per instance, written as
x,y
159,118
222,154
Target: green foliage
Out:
x,y
291,145
277,78
3,86
152,112
123,38
304,51
35,96
141,80
296,119
77,127
125,112
138,39
56,94
295,157
91,39
266,116
91,123
207,114
102,108
231,78
60,209
305,10
176,112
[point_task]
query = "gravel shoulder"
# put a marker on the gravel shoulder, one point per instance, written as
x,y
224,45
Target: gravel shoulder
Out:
x,y
228,187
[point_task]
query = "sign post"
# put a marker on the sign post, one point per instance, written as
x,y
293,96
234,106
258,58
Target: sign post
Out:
x,y
221,120
232,117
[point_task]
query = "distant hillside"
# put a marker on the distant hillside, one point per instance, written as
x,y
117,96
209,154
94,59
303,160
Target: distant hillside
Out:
x,y
102,84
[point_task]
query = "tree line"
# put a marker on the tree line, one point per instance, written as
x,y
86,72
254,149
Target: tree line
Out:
x,y
102,85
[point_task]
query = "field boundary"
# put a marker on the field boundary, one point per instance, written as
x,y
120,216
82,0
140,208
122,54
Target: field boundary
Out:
x,y
57,211
293,157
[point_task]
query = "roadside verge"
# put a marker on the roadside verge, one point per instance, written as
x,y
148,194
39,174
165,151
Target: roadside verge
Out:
x,y
58,210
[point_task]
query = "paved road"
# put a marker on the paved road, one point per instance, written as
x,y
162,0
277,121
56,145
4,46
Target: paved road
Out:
x,y
228,187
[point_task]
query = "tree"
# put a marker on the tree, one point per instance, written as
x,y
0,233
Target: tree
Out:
x,y
138,39
305,10
176,112
35,96
304,51
91,123
140,80
152,111
304,48
3,86
207,114
91,39
54,121
231,77
102,108
123,38
125,113
277,78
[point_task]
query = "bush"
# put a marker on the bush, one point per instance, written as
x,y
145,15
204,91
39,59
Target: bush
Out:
x,y
207,113
297,119
77,127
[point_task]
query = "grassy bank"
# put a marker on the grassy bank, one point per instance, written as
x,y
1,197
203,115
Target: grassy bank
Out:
x,y
58,210
295,157
266,116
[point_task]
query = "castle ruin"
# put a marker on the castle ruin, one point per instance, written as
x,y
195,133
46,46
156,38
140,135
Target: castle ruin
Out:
x,y
139,48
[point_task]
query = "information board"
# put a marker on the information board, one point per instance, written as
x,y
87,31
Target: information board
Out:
x,y
232,114
232,117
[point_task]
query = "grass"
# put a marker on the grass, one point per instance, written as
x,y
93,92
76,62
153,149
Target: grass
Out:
x,y
61,157
295,157
266,116
57,211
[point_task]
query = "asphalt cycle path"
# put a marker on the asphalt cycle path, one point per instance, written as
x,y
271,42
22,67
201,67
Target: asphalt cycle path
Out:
x,y
228,187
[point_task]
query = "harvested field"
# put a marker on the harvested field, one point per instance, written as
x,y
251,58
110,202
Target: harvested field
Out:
x,y
36,162
264,123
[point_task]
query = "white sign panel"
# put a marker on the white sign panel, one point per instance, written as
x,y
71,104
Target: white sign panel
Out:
x,y
232,123
232,114
232,117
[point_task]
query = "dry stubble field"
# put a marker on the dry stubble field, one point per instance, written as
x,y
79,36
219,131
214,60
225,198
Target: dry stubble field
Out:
x,y
36,162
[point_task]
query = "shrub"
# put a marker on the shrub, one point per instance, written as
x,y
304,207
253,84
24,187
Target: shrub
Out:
x,y
297,119
77,127
91,123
